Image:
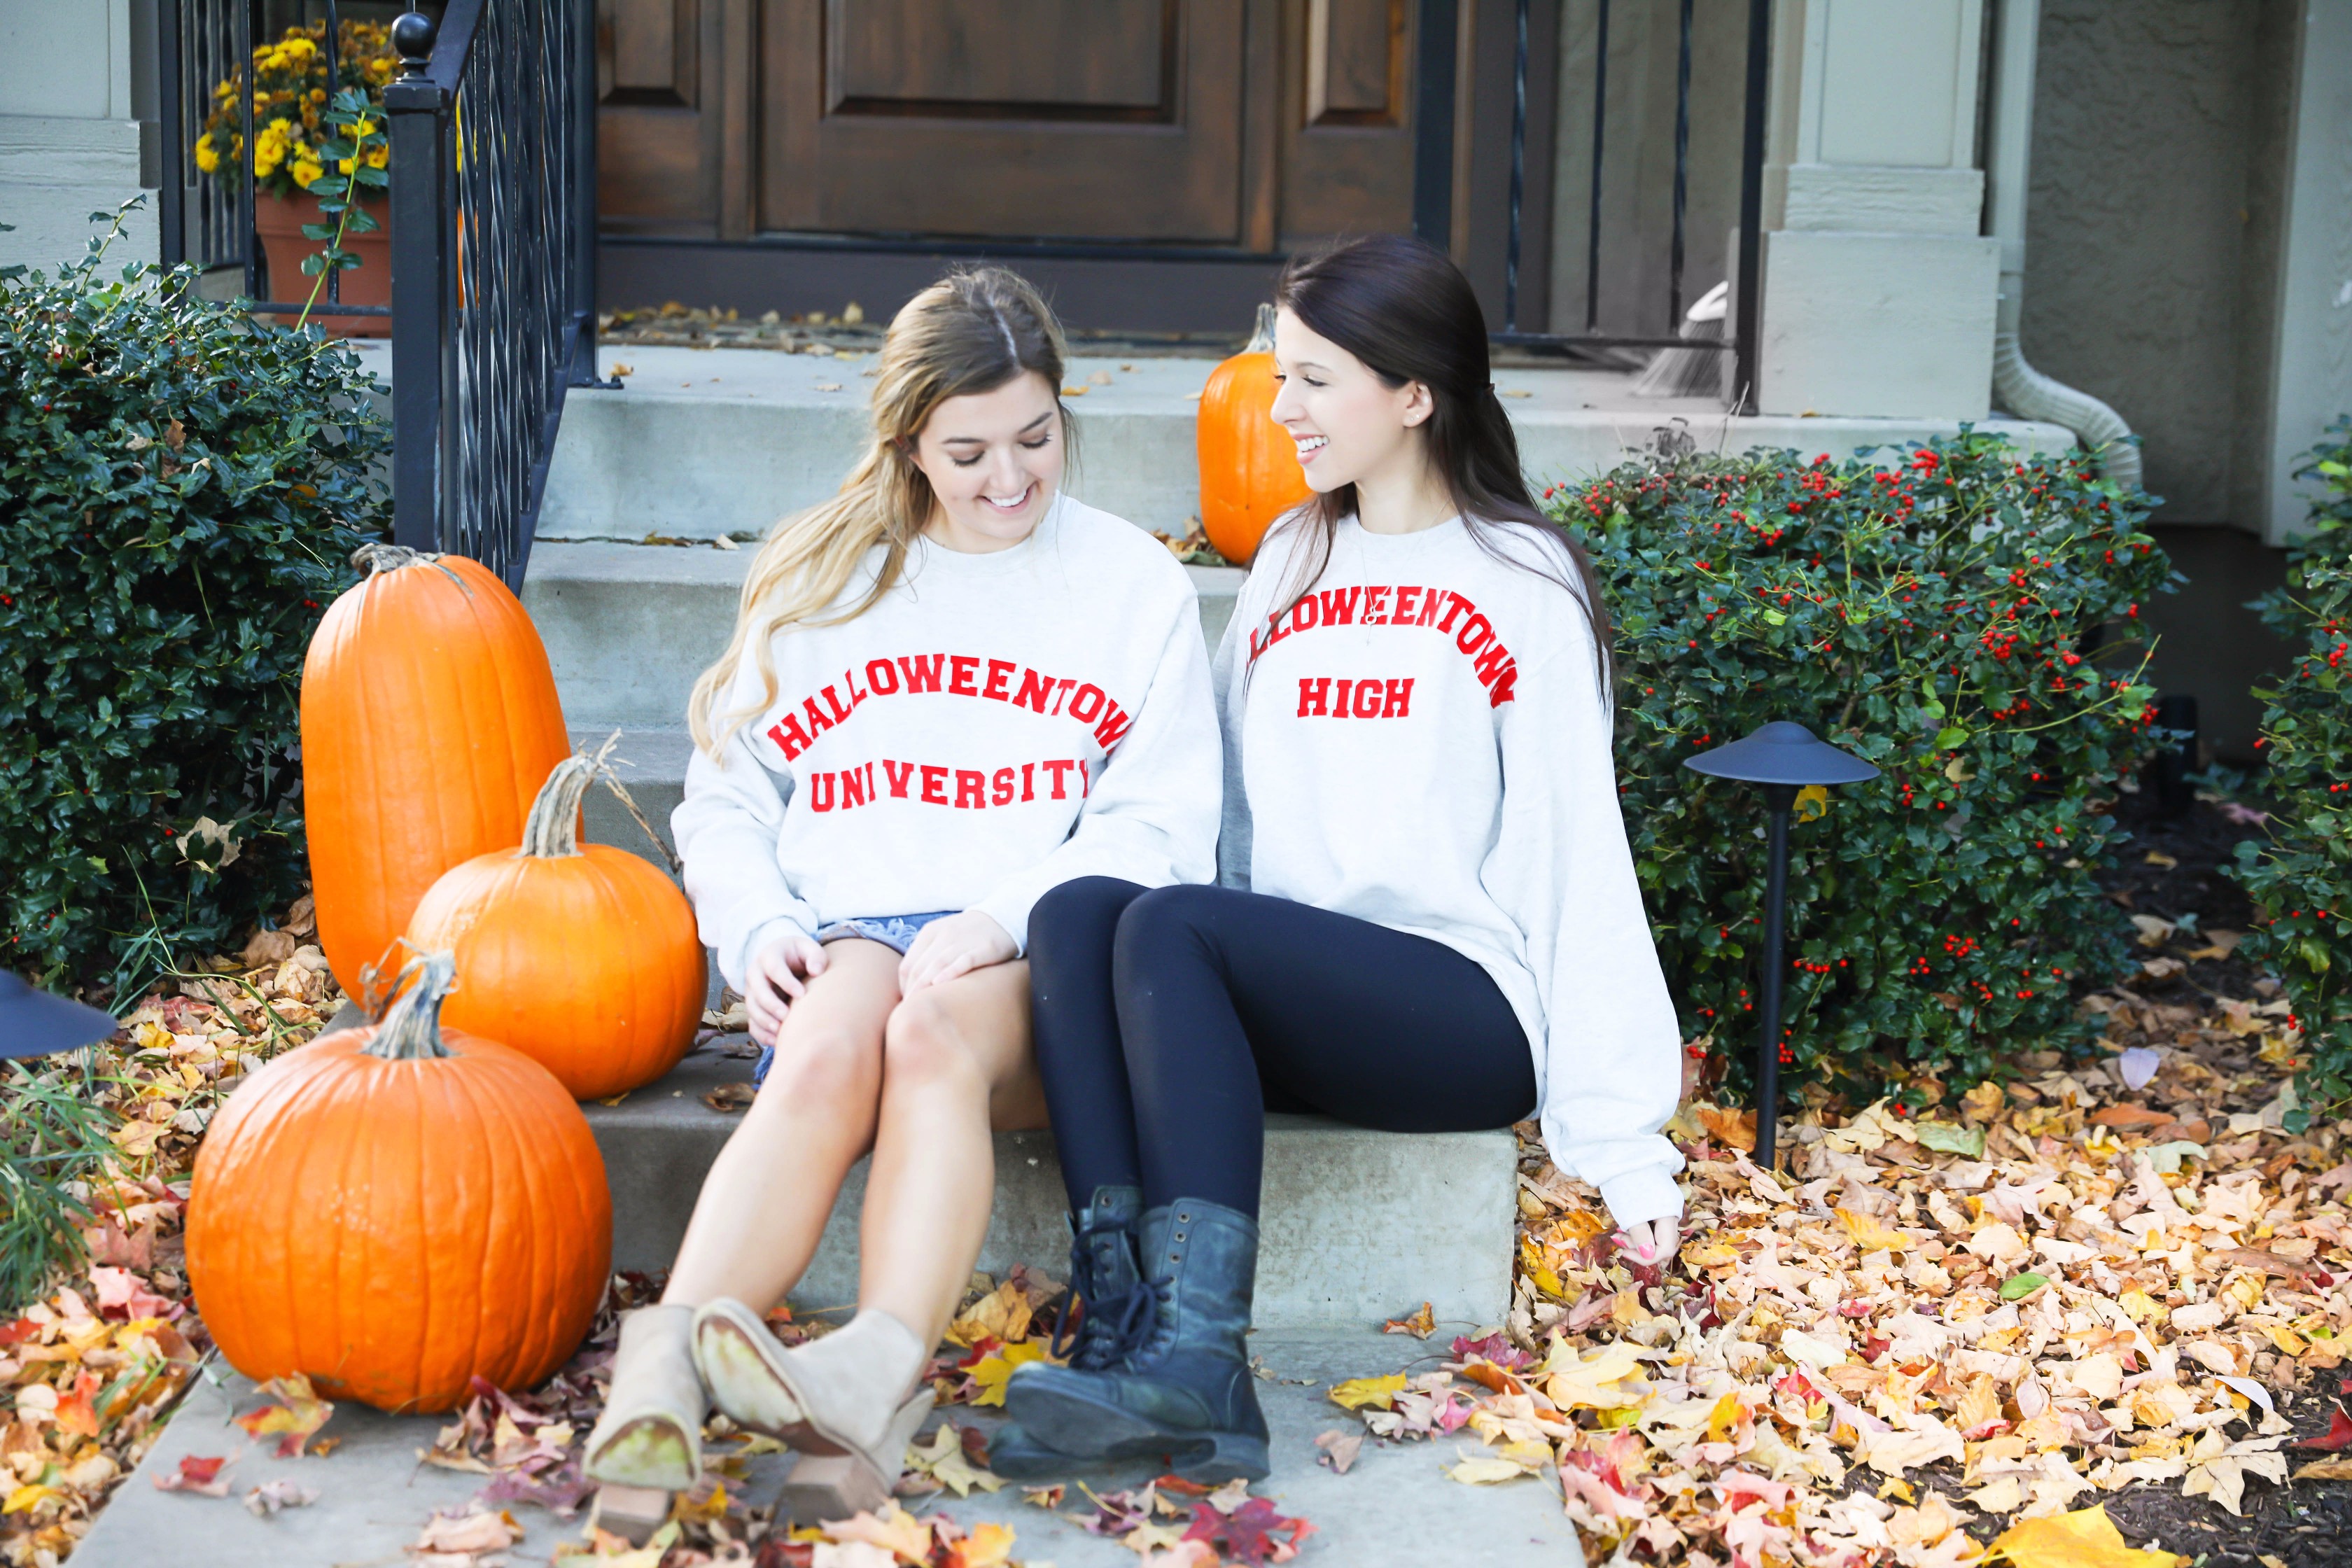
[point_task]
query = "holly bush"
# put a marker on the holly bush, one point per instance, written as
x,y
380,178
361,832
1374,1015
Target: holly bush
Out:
x,y
180,491
2300,880
1965,618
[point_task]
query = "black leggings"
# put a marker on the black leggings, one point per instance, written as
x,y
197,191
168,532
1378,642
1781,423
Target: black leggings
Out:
x,y
1169,1022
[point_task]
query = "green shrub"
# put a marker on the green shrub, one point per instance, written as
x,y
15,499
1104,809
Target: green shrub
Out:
x,y
181,491
1936,616
2301,882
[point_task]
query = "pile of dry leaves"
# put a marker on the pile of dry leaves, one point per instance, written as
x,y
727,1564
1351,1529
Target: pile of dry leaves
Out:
x,y
2115,1275
92,1370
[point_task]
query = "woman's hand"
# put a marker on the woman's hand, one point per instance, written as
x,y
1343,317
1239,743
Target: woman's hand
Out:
x,y
780,975
947,948
1652,1241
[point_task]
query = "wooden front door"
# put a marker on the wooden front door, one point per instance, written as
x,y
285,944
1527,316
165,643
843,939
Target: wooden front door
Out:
x,y
1248,124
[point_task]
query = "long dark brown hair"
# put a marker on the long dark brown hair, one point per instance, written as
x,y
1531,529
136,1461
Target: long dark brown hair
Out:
x,y
1403,308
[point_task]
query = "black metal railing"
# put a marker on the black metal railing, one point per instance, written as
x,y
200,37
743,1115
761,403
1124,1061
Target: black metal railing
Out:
x,y
493,267
491,213
1434,197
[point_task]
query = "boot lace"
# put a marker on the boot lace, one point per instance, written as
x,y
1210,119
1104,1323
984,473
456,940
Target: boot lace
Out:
x,y
1109,1326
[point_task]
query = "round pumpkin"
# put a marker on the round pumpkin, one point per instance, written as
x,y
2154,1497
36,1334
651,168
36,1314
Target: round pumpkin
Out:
x,y
1249,465
583,957
395,1211
429,721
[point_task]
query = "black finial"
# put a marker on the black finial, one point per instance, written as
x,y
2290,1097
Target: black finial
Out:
x,y
412,39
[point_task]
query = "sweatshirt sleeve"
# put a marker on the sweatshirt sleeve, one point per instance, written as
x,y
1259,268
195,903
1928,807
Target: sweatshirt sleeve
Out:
x,y
1611,1062
1229,676
726,831
1151,811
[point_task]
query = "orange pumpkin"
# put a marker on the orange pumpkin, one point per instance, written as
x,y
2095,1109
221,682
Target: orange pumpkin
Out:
x,y
395,1211
1249,465
583,957
429,721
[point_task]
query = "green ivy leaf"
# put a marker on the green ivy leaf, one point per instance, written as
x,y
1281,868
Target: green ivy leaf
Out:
x,y
2018,1287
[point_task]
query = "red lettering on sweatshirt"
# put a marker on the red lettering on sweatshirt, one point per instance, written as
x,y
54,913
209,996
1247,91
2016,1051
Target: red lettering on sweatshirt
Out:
x,y
953,675
1406,605
848,789
1328,697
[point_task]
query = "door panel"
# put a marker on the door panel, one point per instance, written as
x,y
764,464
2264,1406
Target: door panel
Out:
x,y
1347,145
918,57
1062,119
673,139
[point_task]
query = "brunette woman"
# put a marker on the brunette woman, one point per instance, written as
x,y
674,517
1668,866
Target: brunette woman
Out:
x,y
1428,919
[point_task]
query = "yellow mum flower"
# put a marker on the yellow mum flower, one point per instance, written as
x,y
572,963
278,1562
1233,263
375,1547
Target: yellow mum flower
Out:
x,y
207,155
306,171
380,157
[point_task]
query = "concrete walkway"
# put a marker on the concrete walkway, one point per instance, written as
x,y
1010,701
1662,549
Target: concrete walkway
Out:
x,y
1394,1508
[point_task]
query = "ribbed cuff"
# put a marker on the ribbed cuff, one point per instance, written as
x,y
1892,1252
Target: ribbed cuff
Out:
x,y
1641,1195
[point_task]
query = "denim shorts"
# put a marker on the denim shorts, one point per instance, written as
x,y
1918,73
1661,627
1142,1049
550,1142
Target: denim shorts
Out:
x,y
896,932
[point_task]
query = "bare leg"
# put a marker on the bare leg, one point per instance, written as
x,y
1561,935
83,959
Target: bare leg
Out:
x,y
956,1062
763,1204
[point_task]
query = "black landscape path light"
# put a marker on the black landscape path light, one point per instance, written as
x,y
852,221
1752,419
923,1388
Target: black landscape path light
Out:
x,y
36,1024
1784,758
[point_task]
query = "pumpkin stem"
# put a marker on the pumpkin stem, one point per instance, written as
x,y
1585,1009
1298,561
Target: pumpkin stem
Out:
x,y
552,832
411,1030
1261,340
370,559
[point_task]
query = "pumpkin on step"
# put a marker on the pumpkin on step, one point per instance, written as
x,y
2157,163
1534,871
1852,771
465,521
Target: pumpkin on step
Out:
x,y
581,956
1249,465
429,719
395,1211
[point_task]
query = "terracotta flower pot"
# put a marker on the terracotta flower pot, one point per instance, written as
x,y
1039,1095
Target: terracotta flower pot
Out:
x,y
280,223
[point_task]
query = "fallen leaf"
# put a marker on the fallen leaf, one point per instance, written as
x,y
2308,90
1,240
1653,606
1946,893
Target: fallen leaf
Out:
x,y
2159,857
893,1530
294,1413
2018,1287
1420,1324
2087,1539
1373,1393
270,1497
195,1473
991,1373
1339,1449
944,1460
1946,1137
1482,1469
731,1097
470,1531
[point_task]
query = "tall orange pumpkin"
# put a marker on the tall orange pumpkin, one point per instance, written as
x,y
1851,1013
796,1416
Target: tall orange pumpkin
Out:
x,y
583,957
1249,465
429,721
394,1211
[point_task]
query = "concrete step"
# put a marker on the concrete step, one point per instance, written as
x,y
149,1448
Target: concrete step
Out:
x,y
629,627
1356,1225
374,1499
724,441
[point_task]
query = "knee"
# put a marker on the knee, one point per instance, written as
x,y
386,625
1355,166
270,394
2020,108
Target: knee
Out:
x,y
922,1044
1072,910
822,1067
1165,920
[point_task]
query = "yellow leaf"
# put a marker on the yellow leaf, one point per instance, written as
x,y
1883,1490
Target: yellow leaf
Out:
x,y
1980,1406
1481,1470
2288,1341
1724,1420
992,1371
1869,1233
1378,1393
685,1510
24,1499
2087,1539
988,1546
1715,1254
895,1530
1572,1381
1547,1282
1002,1314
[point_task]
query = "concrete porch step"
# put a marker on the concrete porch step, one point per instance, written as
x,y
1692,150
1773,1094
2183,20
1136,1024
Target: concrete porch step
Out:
x,y
1396,1509
724,441
1356,1225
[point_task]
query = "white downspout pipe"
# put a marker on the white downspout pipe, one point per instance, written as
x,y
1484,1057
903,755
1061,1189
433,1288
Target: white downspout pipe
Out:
x,y
2017,385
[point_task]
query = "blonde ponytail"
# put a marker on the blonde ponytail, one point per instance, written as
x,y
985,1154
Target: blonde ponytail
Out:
x,y
970,332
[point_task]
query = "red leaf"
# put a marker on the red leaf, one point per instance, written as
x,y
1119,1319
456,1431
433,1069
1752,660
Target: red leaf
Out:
x,y
1248,1533
2339,1434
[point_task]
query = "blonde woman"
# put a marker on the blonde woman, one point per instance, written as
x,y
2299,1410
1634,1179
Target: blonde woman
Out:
x,y
950,688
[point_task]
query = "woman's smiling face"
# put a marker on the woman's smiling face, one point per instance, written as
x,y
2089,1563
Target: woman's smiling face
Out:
x,y
995,460
1349,423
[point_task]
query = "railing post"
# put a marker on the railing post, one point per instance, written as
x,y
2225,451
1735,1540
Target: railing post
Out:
x,y
1748,305
1433,130
172,138
583,193
413,106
